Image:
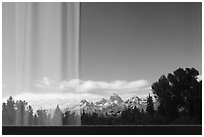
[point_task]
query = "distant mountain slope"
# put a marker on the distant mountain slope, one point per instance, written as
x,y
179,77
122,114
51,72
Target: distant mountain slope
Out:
x,y
112,106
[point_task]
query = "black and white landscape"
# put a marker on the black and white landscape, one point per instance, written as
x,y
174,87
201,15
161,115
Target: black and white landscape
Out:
x,y
101,64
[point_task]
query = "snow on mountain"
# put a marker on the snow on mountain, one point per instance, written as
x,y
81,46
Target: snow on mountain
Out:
x,y
102,102
112,106
136,102
116,99
84,103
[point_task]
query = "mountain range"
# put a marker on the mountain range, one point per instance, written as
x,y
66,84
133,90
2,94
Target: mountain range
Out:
x,y
112,106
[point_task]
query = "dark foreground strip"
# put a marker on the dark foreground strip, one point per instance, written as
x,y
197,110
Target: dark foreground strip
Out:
x,y
102,130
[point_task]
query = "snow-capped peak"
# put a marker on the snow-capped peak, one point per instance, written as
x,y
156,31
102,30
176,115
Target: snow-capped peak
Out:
x,y
102,102
116,99
135,99
112,105
83,102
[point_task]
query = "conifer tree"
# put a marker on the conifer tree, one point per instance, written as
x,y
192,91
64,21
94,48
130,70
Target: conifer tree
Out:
x,y
150,106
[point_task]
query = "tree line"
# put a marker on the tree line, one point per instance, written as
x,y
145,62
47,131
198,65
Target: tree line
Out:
x,y
19,113
179,95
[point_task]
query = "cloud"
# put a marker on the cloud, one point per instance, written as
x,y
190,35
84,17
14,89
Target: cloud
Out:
x,y
46,83
74,84
93,87
71,92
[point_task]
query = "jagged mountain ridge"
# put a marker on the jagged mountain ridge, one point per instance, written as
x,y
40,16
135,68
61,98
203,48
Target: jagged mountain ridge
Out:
x,y
112,106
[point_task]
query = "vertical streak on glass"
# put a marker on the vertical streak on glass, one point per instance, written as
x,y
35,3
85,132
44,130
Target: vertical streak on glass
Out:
x,y
64,39
79,54
77,40
19,44
26,52
70,15
70,40
20,22
8,47
79,50
31,41
34,43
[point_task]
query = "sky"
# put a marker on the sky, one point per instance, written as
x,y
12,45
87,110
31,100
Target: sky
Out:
x,y
124,48
131,41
